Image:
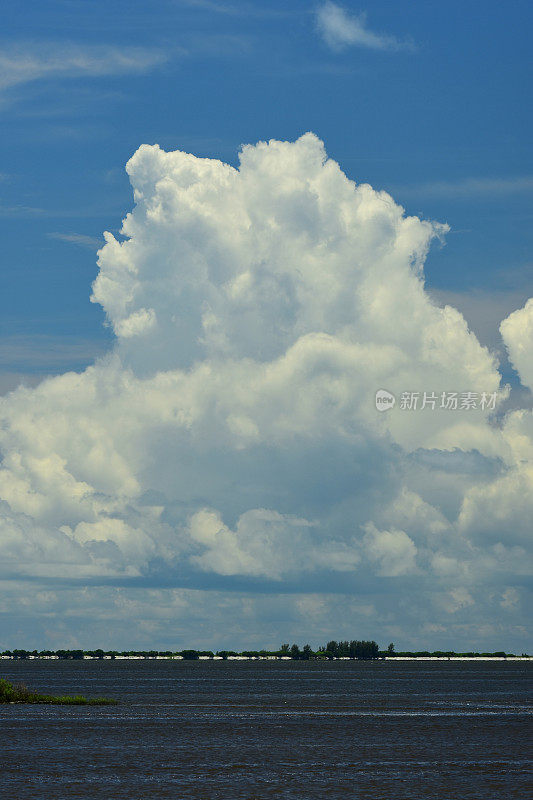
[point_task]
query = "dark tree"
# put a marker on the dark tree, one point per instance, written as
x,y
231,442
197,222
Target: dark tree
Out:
x,y
361,650
306,652
190,655
332,649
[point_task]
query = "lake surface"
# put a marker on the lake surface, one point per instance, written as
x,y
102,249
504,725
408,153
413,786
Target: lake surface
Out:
x,y
280,730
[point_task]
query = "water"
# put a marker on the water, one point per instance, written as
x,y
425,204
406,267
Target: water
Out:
x,y
257,730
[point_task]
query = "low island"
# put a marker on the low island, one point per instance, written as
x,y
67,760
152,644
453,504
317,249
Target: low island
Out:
x,y
18,693
355,650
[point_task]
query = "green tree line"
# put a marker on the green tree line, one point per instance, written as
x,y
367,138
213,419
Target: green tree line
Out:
x,y
360,650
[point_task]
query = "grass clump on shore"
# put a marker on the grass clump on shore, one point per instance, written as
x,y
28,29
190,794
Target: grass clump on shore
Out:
x,y
18,693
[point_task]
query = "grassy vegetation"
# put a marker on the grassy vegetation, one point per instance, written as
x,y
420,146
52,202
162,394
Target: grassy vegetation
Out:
x,y
18,693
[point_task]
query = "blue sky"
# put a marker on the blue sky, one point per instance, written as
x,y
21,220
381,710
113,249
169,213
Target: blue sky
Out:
x,y
196,456
439,116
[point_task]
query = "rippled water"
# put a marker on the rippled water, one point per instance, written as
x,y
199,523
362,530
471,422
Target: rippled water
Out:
x,y
259,730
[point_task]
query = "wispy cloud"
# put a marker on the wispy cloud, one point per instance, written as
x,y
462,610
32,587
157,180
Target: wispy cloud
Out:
x,y
217,44
209,5
92,242
96,211
233,9
470,187
340,29
47,354
20,211
30,62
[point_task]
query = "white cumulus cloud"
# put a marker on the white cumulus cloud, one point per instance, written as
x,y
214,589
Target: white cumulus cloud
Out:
x,y
517,333
231,436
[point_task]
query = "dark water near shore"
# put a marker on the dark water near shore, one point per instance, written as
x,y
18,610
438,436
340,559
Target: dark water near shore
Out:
x,y
280,730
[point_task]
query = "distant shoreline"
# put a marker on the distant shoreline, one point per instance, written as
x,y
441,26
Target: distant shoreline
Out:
x,y
177,657
353,650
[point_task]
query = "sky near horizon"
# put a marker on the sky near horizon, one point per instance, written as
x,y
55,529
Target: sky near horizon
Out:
x,y
321,200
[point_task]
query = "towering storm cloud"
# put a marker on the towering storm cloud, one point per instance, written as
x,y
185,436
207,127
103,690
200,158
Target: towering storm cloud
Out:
x,y
226,464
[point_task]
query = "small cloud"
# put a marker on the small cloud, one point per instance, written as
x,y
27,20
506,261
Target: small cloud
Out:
x,y
92,242
340,29
393,551
457,599
510,599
